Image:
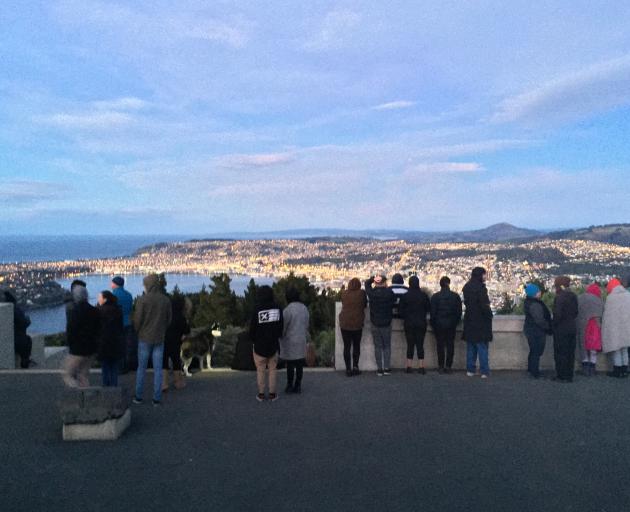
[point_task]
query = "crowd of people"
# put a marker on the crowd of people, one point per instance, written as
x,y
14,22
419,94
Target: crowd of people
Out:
x,y
583,323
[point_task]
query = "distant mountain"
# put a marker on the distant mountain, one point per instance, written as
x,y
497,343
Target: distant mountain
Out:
x,y
618,234
502,232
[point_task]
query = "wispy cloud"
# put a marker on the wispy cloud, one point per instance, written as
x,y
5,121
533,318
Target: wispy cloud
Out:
x,y
125,103
333,30
594,89
26,192
445,167
90,120
394,105
256,160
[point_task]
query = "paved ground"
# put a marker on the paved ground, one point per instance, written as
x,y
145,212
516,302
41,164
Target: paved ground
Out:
x,y
404,442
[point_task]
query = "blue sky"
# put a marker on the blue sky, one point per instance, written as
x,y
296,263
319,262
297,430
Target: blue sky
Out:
x,y
206,117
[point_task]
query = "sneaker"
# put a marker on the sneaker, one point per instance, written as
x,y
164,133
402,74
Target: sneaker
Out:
x,y
137,400
273,397
156,403
387,371
470,374
379,373
260,397
422,371
484,376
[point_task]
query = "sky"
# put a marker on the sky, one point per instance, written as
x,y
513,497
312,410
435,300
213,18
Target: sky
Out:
x,y
196,117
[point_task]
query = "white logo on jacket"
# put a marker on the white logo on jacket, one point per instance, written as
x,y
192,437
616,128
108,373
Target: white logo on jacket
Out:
x,y
268,315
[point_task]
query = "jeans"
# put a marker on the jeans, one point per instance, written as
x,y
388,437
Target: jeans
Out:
x,y
619,357
415,339
564,354
109,373
295,367
382,337
445,338
156,353
472,351
262,363
536,342
351,339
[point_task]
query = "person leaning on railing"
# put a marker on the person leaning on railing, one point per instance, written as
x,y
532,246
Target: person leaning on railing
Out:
x,y
351,320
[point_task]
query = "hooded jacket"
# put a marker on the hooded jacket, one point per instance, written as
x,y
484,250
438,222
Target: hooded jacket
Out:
x,y
590,305
353,304
382,301
478,315
265,329
153,312
414,306
82,324
615,323
446,309
110,337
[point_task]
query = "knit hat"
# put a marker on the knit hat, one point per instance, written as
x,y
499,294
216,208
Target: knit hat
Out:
x,y
531,290
612,284
594,289
118,281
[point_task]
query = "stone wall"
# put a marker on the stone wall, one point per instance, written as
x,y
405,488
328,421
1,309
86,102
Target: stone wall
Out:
x,y
508,351
7,357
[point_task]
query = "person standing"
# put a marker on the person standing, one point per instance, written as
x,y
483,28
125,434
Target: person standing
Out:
x,y
399,289
351,320
82,328
151,319
22,342
129,362
414,306
295,336
536,328
265,331
565,312
477,323
110,337
175,332
446,313
616,328
382,301
589,334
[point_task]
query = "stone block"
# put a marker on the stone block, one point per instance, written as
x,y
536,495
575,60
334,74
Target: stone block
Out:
x,y
7,349
93,405
108,430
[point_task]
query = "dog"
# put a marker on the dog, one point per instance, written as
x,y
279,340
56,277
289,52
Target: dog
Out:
x,y
199,343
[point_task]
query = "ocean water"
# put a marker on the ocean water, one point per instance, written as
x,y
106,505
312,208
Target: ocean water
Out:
x,y
53,320
15,248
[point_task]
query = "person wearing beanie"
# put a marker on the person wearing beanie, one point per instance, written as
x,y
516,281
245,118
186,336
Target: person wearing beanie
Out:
x,y
536,328
399,289
589,334
477,323
565,313
351,320
446,313
616,328
129,360
414,307
82,327
151,318
382,300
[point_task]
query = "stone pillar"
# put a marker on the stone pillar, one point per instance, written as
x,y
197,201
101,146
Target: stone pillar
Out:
x,y
7,351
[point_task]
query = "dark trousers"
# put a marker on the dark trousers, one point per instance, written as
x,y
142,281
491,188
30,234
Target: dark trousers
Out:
x,y
536,342
23,346
445,342
415,339
171,353
564,354
109,373
131,349
295,367
351,340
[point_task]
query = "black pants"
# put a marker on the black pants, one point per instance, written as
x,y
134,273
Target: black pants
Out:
x,y
415,339
22,347
536,342
295,367
351,340
564,354
171,351
445,342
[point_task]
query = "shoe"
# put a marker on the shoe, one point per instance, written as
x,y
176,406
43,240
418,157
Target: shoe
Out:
x,y
624,371
178,379
289,389
297,389
260,397
422,371
441,371
273,397
137,400
379,373
562,380
616,372
484,376
593,369
470,374
156,403
448,371
349,373
408,370
387,371
356,371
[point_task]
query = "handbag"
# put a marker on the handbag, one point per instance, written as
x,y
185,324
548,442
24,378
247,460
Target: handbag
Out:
x,y
593,336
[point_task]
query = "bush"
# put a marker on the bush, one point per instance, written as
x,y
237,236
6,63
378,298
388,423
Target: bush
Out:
x,y
324,344
55,340
224,347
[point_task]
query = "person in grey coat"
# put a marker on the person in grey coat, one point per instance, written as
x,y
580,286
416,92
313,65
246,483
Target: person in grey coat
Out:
x,y
295,336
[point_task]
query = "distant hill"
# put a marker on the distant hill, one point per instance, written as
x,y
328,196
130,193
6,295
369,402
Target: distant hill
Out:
x,y
618,234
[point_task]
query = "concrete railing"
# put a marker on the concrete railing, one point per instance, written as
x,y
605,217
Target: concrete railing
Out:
x,y
508,350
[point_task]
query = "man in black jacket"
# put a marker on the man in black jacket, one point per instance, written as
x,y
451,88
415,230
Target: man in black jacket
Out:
x,y
477,323
381,300
446,313
413,308
399,289
565,312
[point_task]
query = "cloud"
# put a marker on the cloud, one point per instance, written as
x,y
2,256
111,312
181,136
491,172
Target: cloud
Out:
x,y
594,89
394,105
334,30
445,167
26,192
118,104
90,120
257,160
